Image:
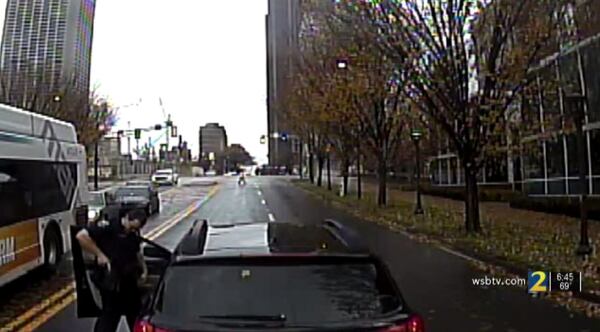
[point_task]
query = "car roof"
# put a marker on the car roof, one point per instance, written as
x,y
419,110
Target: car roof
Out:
x,y
276,238
101,191
134,187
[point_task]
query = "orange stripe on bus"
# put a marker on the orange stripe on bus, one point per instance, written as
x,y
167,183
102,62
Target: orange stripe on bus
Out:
x,y
19,244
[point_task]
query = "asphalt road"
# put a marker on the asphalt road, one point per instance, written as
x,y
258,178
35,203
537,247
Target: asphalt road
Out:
x,y
434,282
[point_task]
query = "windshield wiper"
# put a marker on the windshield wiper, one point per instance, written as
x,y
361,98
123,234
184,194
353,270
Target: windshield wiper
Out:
x,y
253,318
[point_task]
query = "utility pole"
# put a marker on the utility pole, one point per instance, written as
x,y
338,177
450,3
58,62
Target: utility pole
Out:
x,y
128,138
96,160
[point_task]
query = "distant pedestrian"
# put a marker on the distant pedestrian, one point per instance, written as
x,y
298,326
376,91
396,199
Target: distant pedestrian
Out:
x,y
116,243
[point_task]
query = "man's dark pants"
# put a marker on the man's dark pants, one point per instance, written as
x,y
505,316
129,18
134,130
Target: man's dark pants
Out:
x,y
123,302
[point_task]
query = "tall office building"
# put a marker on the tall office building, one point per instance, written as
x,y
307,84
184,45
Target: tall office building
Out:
x,y
282,27
213,145
213,139
48,42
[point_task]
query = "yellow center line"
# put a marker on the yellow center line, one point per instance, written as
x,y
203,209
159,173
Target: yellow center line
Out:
x,y
29,314
48,308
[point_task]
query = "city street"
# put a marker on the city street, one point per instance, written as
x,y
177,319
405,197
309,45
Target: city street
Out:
x,y
434,282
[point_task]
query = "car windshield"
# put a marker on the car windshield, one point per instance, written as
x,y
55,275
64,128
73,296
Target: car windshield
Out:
x,y
132,191
166,172
96,199
303,294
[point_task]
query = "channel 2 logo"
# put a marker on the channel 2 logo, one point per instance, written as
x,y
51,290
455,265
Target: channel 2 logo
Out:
x,y
538,282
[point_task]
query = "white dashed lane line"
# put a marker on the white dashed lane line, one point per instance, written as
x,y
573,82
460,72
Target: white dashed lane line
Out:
x,y
263,202
271,217
259,193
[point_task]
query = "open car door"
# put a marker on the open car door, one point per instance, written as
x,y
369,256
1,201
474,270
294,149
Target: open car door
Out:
x,y
89,303
157,260
88,298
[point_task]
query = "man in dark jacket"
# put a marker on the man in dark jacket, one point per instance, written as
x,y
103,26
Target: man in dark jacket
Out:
x,y
115,242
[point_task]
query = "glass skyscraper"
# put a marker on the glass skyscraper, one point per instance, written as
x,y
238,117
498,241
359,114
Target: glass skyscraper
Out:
x,y
49,43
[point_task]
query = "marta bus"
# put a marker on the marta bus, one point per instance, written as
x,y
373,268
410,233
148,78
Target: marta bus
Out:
x,y
43,190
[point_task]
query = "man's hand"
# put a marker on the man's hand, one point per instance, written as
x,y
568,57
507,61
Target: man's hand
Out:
x,y
103,260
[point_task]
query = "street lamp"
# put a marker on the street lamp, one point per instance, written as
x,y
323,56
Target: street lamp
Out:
x,y
342,64
577,112
416,135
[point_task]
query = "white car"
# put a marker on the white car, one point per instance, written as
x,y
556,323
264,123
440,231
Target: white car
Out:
x,y
165,177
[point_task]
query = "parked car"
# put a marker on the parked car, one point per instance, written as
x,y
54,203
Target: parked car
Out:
x,y
165,177
145,197
98,201
266,277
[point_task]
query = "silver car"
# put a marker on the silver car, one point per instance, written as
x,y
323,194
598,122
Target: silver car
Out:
x,y
98,201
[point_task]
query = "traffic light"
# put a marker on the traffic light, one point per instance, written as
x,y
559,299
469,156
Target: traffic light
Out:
x,y
263,139
284,137
137,133
174,132
157,127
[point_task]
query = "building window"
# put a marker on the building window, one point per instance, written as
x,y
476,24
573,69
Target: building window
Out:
x,y
572,156
533,160
444,175
530,110
591,67
595,155
555,158
555,165
572,153
434,171
569,72
550,99
454,171
496,169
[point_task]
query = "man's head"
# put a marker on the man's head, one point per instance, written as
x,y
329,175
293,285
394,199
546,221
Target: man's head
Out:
x,y
134,220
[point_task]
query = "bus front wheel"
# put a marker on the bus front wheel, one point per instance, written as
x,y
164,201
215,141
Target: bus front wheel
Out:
x,y
52,250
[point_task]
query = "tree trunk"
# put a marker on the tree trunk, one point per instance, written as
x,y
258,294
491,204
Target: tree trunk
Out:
x,y
328,172
382,190
472,222
320,170
358,178
301,160
311,167
345,172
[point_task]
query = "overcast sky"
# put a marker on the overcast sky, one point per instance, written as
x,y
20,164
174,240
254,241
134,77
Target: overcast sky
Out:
x,y
204,58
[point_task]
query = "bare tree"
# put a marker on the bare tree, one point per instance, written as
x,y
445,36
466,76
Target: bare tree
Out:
x,y
469,63
38,92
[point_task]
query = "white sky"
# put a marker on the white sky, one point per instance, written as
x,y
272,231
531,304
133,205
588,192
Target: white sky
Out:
x,y
204,58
